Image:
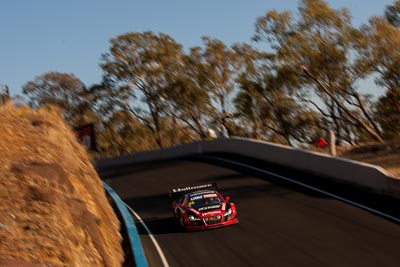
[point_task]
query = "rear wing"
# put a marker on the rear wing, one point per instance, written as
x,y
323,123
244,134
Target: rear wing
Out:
x,y
176,193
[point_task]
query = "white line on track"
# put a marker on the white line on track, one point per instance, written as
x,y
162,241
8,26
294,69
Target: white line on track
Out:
x,y
387,216
160,253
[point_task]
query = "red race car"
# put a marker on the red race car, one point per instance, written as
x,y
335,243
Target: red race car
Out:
x,y
200,207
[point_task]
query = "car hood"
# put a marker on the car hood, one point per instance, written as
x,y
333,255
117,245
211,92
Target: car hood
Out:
x,y
211,210
205,209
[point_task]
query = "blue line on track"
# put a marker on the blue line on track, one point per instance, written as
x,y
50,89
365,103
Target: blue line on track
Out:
x,y
133,234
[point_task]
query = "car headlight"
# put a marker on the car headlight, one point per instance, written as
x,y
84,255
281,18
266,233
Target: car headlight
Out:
x,y
194,218
228,212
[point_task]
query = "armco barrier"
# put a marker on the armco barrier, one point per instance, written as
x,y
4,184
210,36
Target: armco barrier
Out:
x,y
133,235
351,172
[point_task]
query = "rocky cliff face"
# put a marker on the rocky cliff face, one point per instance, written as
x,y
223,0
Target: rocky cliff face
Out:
x,y
53,208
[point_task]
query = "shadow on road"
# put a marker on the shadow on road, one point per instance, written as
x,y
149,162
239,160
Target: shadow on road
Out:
x,y
160,226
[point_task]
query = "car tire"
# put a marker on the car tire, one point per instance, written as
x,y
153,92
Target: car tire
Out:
x,y
173,212
181,220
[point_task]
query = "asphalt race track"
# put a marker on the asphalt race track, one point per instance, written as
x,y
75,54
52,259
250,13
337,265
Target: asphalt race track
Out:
x,y
280,224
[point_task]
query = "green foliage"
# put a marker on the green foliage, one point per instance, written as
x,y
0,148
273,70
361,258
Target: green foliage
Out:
x,y
392,14
379,52
266,100
122,134
188,99
219,65
140,66
388,113
63,90
318,43
379,55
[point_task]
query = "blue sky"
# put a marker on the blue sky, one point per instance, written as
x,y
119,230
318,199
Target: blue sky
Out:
x,y
38,36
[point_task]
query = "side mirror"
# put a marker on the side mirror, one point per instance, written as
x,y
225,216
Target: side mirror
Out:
x,y
227,198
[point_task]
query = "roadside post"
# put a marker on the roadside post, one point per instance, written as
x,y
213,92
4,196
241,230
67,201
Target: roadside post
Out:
x,y
332,143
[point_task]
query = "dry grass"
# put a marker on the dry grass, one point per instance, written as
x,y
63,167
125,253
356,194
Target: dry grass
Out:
x,y
53,208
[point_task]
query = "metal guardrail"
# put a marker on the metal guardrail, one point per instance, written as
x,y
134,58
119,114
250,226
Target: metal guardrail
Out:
x,y
133,234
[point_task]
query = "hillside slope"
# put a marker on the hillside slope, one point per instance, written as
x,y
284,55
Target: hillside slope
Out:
x,y
53,208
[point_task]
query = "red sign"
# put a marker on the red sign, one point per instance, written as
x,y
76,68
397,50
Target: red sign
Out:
x,y
321,143
86,136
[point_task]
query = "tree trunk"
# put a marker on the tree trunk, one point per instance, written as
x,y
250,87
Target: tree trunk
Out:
x,y
362,124
199,128
364,111
156,129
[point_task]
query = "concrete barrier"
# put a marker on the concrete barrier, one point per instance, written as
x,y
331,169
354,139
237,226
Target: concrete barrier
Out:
x,y
164,154
355,173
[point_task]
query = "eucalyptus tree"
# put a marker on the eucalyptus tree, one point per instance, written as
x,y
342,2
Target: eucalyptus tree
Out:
x,y
318,44
392,13
266,100
63,90
190,101
220,65
249,101
388,113
121,133
379,54
140,66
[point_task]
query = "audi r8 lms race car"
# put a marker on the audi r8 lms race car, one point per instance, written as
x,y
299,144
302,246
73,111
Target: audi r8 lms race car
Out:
x,y
201,207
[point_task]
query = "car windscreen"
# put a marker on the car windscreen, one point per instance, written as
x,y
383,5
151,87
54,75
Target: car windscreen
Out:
x,y
204,200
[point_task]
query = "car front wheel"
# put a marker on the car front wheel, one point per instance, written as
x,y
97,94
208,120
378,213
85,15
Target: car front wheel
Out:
x,y
181,220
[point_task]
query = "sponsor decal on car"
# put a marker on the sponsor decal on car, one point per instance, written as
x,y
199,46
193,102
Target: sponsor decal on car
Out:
x,y
202,192
210,195
209,207
188,188
196,197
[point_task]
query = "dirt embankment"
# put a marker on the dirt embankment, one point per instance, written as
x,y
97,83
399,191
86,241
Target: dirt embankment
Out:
x,y
385,155
53,208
